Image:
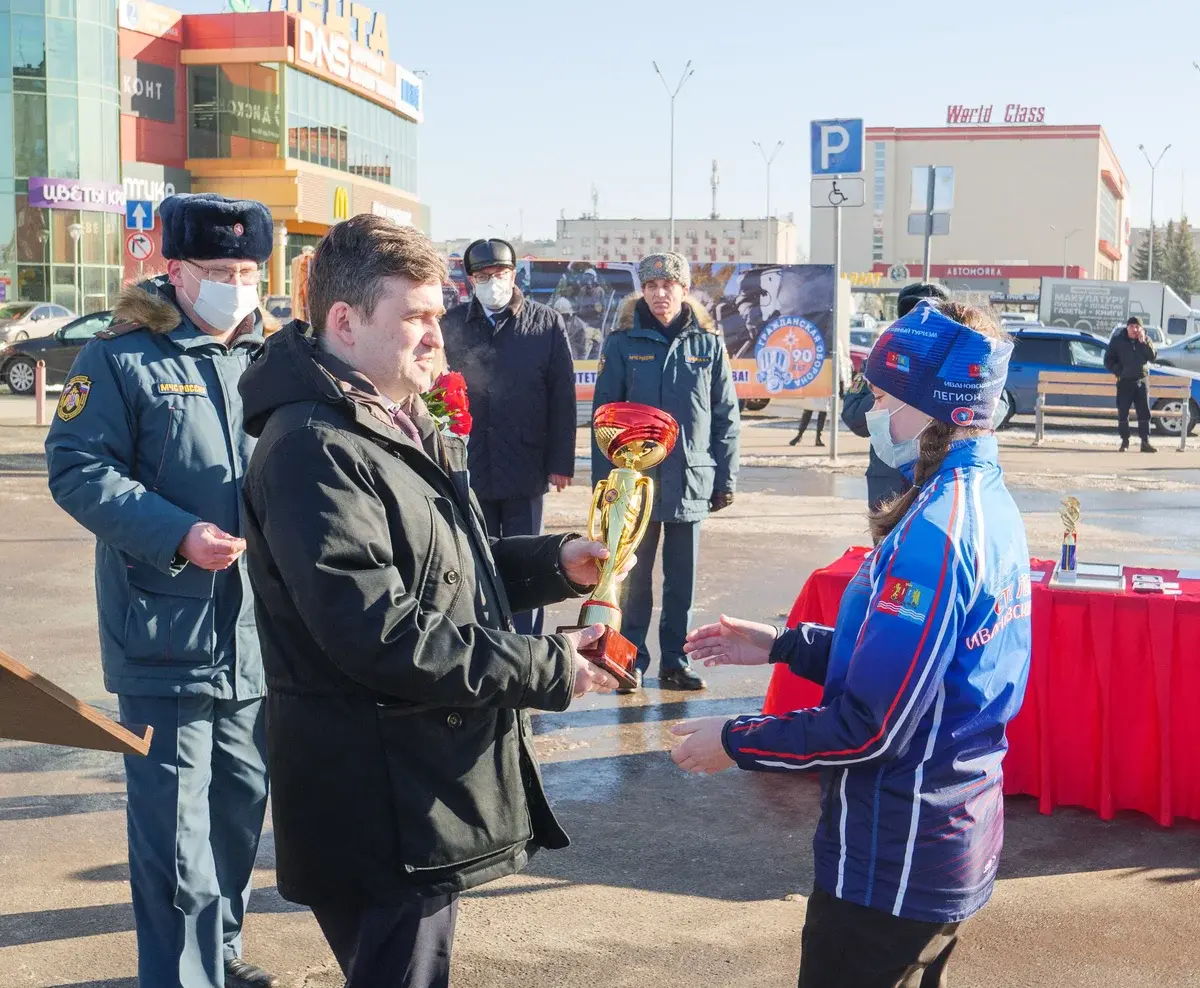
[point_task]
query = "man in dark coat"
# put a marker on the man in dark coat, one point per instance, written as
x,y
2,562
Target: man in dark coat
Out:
x,y
148,452
402,757
515,357
1129,356
667,352
883,482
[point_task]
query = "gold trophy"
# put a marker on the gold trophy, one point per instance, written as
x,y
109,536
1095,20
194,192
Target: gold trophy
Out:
x,y
635,438
1070,514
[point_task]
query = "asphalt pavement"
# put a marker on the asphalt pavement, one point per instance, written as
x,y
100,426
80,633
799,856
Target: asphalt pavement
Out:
x,y
671,880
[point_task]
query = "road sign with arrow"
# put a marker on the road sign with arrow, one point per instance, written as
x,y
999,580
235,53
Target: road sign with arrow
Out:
x,y
139,214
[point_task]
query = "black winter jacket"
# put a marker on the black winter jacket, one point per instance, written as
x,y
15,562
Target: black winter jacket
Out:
x,y
1128,359
883,482
521,386
401,760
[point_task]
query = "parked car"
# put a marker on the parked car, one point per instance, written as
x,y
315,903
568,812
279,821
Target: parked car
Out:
x,y
1153,333
1048,348
1185,354
279,306
19,360
26,320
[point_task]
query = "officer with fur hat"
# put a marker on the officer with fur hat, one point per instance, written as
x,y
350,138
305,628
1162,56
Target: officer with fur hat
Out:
x,y
147,451
667,352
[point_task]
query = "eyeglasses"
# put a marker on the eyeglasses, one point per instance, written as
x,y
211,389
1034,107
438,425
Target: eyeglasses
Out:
x,y
228,276
482,277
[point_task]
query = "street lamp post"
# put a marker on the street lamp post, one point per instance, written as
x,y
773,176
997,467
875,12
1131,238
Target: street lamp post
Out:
x,y
1066,238
768,160
688,72
76,231
1153,167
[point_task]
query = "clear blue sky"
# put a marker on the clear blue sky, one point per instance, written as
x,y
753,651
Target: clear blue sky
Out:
x,y
528,104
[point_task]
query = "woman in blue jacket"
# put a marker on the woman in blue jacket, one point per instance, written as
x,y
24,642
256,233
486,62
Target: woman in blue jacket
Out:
x,y
925,667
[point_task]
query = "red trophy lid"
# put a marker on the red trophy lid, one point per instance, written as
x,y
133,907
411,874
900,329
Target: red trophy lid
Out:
x,y
634,436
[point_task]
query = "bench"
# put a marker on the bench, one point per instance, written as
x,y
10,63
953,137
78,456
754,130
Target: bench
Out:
x,y
1059,384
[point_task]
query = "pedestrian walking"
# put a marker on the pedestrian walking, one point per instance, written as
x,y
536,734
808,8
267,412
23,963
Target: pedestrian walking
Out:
x,y
821,405
147,451
1128,357
666,352
515,357
402,759
924,669
883,481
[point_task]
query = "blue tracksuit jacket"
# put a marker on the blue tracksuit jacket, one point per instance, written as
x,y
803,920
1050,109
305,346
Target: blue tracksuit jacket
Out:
x,y
926,666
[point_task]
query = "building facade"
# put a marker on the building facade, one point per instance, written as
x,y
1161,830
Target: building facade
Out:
x,y
61,201
107,101
772,241
1026,199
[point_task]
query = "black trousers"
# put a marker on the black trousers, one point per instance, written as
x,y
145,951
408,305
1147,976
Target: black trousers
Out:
x,y
517,516
845,945
1133,394
806,418
405,946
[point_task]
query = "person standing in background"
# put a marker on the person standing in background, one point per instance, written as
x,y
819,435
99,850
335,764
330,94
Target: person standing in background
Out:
x,y
515,357
148,452
666,352
1129,356
884,482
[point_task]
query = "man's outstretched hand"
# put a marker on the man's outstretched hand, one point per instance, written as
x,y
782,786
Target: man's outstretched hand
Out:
x,y
206,546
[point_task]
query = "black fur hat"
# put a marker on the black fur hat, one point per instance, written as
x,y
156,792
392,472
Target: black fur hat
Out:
x,y
208,227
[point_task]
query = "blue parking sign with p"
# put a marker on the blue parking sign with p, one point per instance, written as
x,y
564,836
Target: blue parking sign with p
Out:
x,y
837,147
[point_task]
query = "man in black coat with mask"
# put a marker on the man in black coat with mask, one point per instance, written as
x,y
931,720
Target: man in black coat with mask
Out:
x,y
516,359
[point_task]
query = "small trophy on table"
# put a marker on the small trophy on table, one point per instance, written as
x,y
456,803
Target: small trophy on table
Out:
x,y
1069,513
635,438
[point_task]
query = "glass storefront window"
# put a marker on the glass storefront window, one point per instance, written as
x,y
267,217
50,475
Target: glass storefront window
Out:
x,y
62,8
62,291
338,129
95,289
6,128
63,132
28,51
113,238
91,136
234,112
60,235
61,61
91,244
5,48
91,57
32,283
29,134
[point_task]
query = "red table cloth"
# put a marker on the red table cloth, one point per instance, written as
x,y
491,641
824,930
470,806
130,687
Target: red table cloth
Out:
x,y
1111,719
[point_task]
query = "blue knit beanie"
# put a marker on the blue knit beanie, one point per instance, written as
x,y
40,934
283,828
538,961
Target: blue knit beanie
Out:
x,y
947,370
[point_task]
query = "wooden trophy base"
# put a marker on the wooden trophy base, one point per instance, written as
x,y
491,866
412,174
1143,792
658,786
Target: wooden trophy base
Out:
x,y
614,653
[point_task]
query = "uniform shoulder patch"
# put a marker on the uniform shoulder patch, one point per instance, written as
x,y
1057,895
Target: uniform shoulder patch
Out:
x,y
118,329
74,396
905,599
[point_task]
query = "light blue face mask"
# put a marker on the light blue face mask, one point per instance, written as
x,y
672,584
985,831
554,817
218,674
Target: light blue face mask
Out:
x,y
897,455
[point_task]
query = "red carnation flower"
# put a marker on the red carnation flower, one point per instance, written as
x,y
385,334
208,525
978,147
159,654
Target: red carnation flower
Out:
x,y
461,422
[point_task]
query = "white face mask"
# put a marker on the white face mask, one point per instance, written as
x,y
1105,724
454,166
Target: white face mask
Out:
x,y
896,455
495,293
223,306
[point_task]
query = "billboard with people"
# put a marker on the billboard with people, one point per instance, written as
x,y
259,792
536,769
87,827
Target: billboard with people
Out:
x,y
777,319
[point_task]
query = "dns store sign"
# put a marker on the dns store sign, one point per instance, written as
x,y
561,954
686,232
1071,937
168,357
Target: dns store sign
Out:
x,y
351,44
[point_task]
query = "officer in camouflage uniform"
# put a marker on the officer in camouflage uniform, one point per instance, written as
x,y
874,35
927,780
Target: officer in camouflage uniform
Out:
x,y
147,451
